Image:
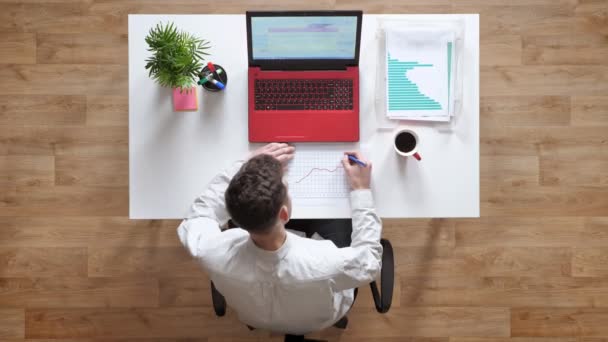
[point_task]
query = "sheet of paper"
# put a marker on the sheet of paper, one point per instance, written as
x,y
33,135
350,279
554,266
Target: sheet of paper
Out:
x,y
317,174
418,73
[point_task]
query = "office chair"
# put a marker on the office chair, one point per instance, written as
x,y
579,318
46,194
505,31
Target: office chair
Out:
x,y
382,298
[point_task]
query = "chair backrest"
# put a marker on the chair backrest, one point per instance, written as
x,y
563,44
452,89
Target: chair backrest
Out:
x,y
384,298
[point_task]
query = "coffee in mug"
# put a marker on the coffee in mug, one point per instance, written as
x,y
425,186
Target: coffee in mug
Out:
x,y
406,143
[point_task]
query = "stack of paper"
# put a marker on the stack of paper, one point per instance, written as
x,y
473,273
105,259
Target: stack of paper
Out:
x,y
420,73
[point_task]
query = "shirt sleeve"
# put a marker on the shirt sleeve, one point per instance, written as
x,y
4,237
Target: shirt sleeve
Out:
x,y
207,214
362,261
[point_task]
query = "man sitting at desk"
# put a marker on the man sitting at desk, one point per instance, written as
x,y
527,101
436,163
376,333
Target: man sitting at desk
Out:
x,y
272,278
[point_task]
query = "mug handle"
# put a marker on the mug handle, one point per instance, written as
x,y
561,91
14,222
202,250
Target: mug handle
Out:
x,y
417,156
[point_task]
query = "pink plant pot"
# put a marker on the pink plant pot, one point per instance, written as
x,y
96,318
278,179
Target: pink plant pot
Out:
x,y
185,100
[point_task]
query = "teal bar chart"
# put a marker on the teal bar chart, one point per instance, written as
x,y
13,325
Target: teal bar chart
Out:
x,y
403,93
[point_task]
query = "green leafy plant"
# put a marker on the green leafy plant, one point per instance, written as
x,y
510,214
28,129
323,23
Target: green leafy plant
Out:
x,y
177,56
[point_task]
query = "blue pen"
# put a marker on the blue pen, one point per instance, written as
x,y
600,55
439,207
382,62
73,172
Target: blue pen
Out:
x,y
217,83
354,159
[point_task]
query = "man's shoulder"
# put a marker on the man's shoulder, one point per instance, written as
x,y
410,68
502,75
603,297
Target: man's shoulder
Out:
x,y
317,258
221,245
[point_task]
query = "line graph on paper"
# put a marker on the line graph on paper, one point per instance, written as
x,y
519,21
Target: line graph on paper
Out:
x,y
317,174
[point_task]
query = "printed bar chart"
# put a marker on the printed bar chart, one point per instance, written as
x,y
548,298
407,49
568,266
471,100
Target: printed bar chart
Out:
x,y
404,94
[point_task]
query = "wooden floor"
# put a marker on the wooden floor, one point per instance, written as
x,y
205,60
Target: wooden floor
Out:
x,y
534,268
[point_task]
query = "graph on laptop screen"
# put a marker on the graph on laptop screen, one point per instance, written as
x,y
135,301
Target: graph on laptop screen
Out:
x,y
322,37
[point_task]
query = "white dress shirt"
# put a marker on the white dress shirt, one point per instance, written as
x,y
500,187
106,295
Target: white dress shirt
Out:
x,y
304,286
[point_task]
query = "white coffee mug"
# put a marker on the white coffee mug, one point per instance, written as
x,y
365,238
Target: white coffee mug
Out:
x,y
405,143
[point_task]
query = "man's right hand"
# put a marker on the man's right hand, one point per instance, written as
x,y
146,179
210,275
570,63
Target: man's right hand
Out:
x,y
359,177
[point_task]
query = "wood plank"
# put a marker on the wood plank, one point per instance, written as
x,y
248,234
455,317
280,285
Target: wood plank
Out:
x,y
517,339
515,291
42,262
42,110
591,7
419,233
573,171
500,49
565,49
12,323
121,8
58,17
382,339
143,323
185,291
61,200
483,261
532,232
557,322
41,1
17,48
509,170
73,141
596,224
590,262
107,110
543,201
71,292
27,170
256,337
489,4
93,171
534,141
525,110
430,322
86,231
590,110
507,19
558,18
157,262
89,48
118,339
63,79
122,339
396,6
591,16
541,80
531,201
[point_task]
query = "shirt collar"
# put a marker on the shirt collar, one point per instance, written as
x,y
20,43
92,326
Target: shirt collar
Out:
x,y
276,255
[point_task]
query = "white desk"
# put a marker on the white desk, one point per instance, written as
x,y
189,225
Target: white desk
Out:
x,y
172,156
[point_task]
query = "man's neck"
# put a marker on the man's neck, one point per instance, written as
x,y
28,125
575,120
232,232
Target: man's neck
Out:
x,y
271,241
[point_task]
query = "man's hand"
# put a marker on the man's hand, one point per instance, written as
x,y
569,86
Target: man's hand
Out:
x,y
359,177
281,151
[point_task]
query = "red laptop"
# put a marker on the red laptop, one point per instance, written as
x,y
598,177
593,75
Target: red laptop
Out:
x,y
303,75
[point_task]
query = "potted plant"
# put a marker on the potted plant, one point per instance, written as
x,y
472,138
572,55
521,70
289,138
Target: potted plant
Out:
x,y
176,62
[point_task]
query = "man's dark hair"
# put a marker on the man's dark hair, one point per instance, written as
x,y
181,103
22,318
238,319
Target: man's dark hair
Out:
x,y
256,193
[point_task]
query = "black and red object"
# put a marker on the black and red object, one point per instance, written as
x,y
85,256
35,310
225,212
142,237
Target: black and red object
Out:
x,y
303,99
221,76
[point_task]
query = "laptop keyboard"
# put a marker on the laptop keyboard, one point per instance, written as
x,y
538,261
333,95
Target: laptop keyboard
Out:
x,y
299,94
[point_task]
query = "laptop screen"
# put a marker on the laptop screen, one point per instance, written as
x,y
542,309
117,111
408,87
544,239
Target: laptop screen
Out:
x,y
304,37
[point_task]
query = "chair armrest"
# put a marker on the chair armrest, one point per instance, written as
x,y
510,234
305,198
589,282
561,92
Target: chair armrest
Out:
x,y
219,302
384,298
